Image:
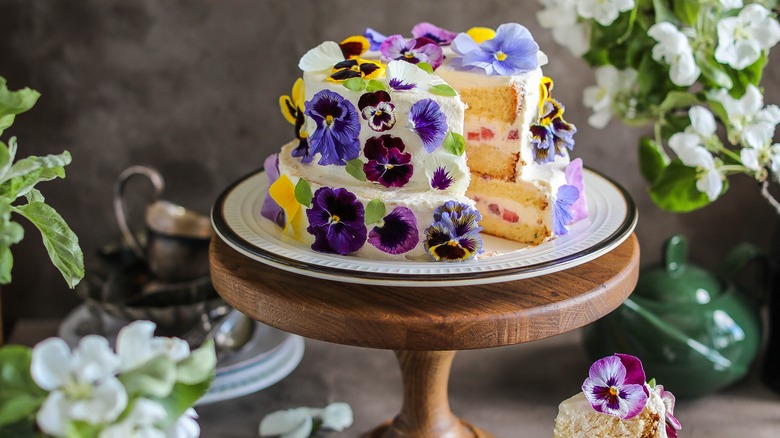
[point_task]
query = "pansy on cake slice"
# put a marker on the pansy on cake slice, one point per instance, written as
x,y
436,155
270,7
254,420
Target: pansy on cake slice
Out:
x,y
616,401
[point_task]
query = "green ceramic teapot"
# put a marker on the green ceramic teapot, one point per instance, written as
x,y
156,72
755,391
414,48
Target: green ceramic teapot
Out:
x,y
695,332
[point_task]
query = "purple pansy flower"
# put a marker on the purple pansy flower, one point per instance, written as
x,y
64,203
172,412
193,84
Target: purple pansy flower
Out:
x,y
562,214
374,38
338,127
454,233
387,164
428,121
397,234
377,110
579,209
672,424
441,179
336,221
434,33
616,386
512,51
270,209
414,50
551,135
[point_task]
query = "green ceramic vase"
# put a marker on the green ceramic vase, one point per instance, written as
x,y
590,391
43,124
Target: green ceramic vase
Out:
x,y
695,332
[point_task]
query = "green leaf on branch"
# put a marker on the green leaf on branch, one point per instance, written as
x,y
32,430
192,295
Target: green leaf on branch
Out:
x,y
675,189
60,241
155,378
181,398
13,103
652,159
663,13
687,10
678,99
20,397
713,73
6,264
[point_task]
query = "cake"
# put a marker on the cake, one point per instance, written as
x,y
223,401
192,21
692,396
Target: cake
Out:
x,y
411,148
616,402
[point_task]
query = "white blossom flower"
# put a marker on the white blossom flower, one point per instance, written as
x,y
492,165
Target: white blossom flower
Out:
x,y
692,153
298,422
560,16
141,422
758,152
605,12
137,345
612,87
674,49
742,38
186,426
731,4
746,114
82,384
774,160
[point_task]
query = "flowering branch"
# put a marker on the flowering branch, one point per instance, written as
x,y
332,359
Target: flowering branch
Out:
x,y
693,69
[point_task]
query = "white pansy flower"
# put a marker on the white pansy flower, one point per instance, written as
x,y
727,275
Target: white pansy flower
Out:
x,y
137,345
611,86
186,426
402,75
742,38
141,422
731,4
560,16
692,153
674,49
746,112
322,57
81,383
605,12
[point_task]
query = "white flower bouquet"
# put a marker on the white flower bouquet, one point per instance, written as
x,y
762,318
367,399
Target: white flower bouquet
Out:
x,y
146,388
692,68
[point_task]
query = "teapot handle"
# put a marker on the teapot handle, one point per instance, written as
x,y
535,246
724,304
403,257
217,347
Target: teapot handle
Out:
x,y
708,353
119,202
738,259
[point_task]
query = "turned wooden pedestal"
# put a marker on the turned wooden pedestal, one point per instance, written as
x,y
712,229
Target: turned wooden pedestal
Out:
x,y
426,326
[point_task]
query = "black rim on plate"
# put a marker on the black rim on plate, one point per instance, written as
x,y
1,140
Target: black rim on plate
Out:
x,y
226,233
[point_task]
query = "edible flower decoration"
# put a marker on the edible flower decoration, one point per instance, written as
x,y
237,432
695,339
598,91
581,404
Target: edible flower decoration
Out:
x,y
441,179
354,46
616,386
562,208
356,68
579,209
292,107
550,135
511,51
271,210
403,76
282,191
387,164
397,232
342,59
374,38
428,121
336,220
414,50
454,233
434,33
338,128
377,110
445,173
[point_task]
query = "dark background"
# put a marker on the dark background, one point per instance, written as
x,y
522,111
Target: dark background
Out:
x,y
191,88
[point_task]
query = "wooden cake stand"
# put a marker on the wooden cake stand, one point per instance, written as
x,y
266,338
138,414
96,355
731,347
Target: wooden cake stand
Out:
x,y
425,326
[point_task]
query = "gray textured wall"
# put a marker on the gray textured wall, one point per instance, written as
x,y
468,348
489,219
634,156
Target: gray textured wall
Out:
x,y
191,87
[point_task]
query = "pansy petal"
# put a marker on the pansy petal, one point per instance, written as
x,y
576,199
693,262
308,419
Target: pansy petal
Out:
x,y
49,366
435,33
406,76
374,38
322,57
283,193
607,371
579,208
429,122
481,34
633,399
398,233
635,374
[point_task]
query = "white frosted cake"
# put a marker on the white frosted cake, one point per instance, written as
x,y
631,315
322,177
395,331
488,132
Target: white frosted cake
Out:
x,y
411,147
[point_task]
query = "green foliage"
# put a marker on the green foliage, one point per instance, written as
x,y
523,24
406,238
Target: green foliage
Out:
x,y
454,143
17,185
675,189
426,67
20,397
355,168
199,366
303,192
373,86
443,90
355,84
156,378
375,211
652,159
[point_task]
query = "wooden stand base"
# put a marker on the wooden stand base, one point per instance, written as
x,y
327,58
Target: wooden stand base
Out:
x,y
426,410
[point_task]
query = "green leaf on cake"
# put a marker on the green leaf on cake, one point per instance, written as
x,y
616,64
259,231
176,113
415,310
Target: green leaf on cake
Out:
x,y
443,90
454,143
374,86
355,168
675,189
355,84
303,192
375,211
426,67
